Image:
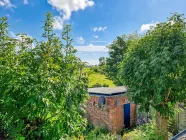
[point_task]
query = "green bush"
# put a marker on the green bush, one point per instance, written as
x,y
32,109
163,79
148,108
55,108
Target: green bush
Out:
x,y
97,85
144,132
100,85
105,85
95,133
88,71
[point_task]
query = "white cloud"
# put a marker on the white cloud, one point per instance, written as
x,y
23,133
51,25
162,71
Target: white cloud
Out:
x,y
7,4
19,20
2,3
99,29
13,35
146,27
66,7
99,41
95,53
80,40
19,38
58,23
25,1
95,36
92,48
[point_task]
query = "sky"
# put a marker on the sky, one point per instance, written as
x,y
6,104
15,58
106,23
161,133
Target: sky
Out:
x,y
95,23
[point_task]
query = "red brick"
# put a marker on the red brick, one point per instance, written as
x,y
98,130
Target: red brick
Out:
x,y
110,116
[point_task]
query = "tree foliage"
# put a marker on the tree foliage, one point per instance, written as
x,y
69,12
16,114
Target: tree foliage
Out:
x,y
154,69
42,88
116,52
102,61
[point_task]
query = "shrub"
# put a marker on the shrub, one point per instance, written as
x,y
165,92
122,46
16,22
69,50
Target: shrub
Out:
x,y
144,132
105,85
95,133
88,71
97,85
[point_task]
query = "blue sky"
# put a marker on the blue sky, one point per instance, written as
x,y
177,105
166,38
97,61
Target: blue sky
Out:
x,y
95,23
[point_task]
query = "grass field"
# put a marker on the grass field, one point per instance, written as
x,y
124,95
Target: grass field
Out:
x,y
99,79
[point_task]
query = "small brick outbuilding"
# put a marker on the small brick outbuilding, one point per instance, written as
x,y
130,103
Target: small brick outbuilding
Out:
x,y
110,108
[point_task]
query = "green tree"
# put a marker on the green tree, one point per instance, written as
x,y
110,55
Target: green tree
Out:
x,y
42,88
116,52
102,65
102,61
154,69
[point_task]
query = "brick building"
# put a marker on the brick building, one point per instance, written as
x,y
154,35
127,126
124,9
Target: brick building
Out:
x,y
110,108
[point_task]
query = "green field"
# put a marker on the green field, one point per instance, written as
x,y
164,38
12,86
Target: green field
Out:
x,y
99,80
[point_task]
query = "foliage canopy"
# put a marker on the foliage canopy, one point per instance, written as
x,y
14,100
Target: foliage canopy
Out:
x,y
154,69
42,88
116,52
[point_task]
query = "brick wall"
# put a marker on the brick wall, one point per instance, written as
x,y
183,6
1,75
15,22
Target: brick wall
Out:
x,y
98,116
110,116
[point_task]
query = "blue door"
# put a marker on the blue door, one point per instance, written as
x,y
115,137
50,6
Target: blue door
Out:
x,y
126,111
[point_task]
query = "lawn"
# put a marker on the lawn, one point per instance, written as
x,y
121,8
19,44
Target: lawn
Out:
x,y
99,80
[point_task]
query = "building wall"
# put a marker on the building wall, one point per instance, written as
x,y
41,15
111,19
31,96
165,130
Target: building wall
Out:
x,y
110,116
98,116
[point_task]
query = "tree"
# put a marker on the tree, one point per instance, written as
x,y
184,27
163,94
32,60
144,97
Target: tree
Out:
x,y
42,88
154,69
102,61
116,52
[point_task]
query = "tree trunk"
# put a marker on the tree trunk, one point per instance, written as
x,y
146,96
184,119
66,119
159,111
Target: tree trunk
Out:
x,y
162,126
